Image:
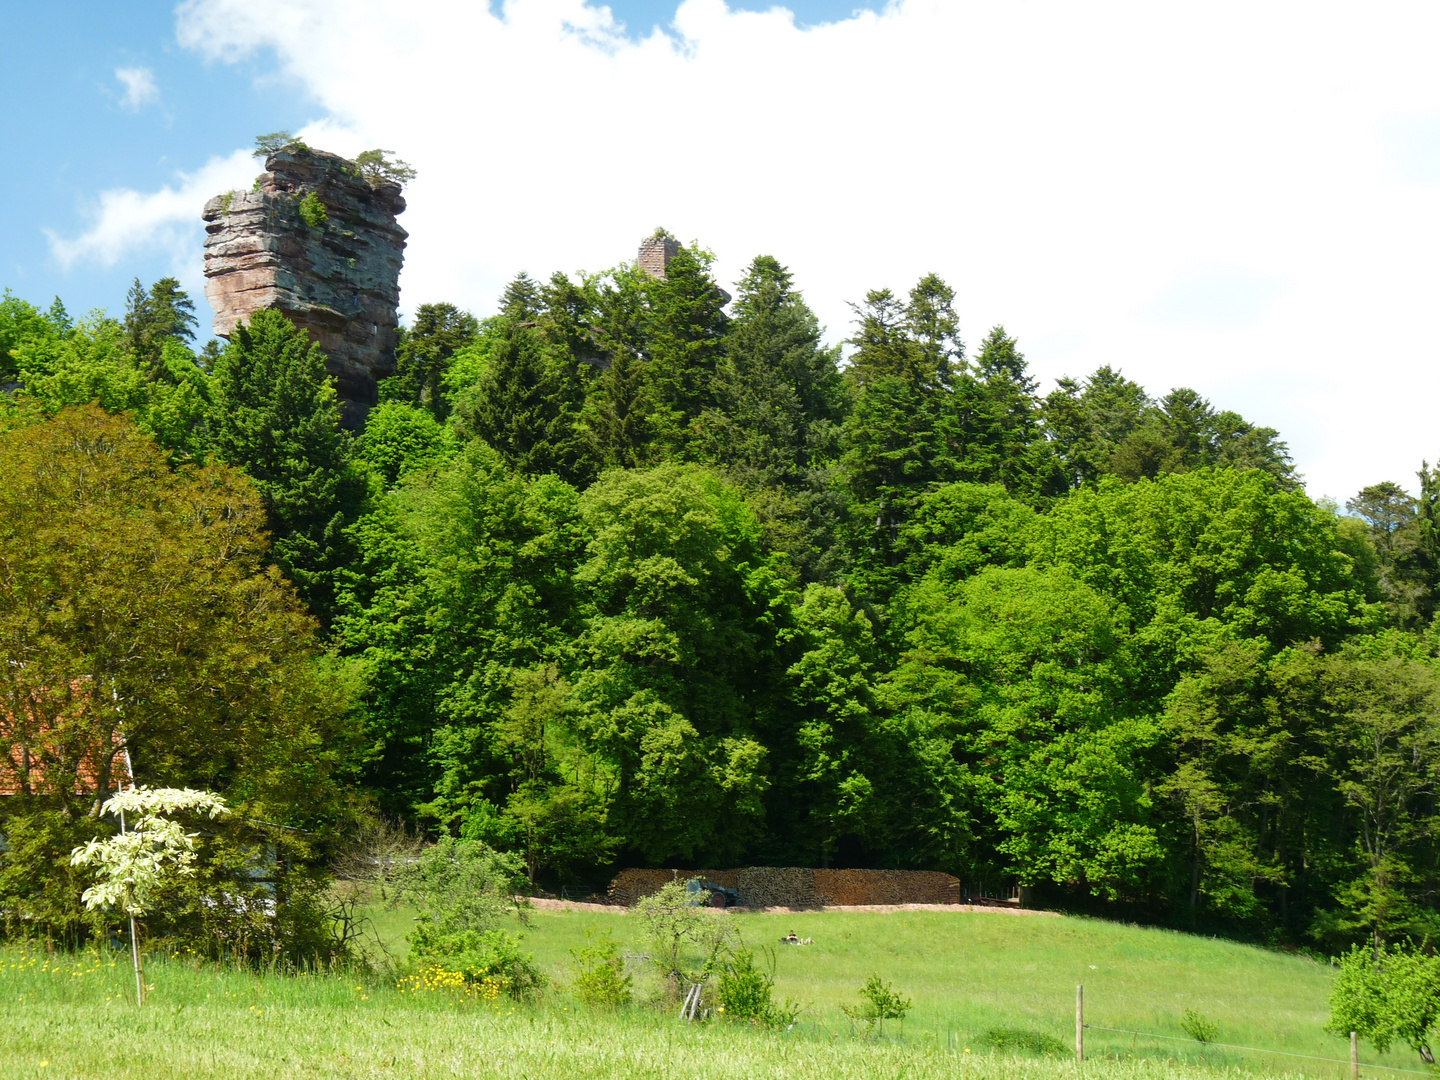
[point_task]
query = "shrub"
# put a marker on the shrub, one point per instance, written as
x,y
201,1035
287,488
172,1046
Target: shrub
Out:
x,y
674,925
1198,1027
746,992
313,212
878,1002
1390,995
1034,1042
600,977
464,890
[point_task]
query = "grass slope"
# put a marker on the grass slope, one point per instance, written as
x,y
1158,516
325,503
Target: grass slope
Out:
x,y
965,972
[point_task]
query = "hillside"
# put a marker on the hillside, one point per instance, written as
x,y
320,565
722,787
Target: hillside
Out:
x,y
966,973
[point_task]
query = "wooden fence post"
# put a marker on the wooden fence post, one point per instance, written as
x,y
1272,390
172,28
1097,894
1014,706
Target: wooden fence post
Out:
x,y
1080,1023
1354,1056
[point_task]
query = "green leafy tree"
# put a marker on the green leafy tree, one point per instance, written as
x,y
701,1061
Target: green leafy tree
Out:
x,y
1384,754
1026,671
275,415
835,797
1387,995
139,618
399,439
462,580
90,363
683,616
21,322
679,932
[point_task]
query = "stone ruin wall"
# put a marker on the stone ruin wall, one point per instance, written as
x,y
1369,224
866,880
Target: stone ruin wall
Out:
x,y
340,281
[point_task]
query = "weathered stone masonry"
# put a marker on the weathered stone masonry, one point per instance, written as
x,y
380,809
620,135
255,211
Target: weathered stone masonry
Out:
x,y
340,281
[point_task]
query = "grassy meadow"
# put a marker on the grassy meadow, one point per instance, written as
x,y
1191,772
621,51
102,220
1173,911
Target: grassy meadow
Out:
x,y
967,973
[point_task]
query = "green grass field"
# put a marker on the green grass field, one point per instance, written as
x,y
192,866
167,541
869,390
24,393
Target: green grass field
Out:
x,y
966,973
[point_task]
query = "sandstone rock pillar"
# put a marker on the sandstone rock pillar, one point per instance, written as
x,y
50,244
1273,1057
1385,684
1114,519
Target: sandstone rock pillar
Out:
x,y
336,274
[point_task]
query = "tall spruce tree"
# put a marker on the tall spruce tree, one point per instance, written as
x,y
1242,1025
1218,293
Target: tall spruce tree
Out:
x,y
162,313
906,362
684,328
1087,419
997,423
276,416
774,426
424,355
526,404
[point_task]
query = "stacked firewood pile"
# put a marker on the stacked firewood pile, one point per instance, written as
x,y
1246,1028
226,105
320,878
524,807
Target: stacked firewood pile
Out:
x,y
799,887
886,887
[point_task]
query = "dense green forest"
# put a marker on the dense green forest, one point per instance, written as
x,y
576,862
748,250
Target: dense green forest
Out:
x,y
635,572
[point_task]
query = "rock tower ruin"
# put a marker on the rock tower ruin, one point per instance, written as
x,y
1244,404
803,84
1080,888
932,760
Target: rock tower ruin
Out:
x,y
656,252
335,274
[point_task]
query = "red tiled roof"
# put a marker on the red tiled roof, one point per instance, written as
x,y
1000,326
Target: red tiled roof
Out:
x,y
19,771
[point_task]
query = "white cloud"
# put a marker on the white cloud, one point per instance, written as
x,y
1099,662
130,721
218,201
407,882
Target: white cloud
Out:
x,y
140,88
124,221
1208,196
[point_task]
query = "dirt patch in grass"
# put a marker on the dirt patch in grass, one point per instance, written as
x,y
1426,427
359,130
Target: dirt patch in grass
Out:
x,y
540,904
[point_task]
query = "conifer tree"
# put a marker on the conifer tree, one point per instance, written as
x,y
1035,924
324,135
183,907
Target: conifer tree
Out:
x,y
906,363
684,327
276,416
997,422
424,355
163,313
526,404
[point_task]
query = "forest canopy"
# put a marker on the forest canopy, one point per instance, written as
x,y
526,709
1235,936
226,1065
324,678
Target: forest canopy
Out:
x,y
635,571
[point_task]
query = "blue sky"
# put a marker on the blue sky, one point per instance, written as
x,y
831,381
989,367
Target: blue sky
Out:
x,y
73,135
1241,198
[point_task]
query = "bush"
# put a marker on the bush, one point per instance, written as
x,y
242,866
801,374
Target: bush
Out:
x,y
600,977
1198,1027
1390,995
675,926
878,1002
464,890
478,957
1033,1042
313,212
746,992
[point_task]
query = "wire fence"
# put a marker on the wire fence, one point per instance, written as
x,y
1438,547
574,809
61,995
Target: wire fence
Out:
x,y
1259,1050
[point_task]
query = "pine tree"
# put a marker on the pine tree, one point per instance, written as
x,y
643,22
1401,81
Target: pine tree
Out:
x,y
683,328
777,390
276,416
774,427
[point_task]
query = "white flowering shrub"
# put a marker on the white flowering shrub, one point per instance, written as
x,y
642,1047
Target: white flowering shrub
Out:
x,y
135,864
